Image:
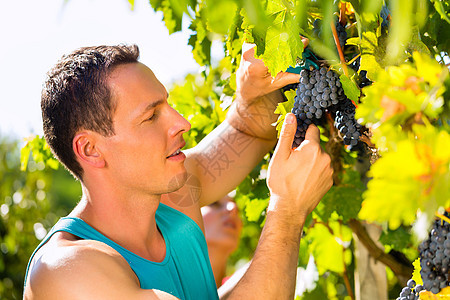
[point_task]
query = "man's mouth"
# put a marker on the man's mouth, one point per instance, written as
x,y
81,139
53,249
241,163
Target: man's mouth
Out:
x,y
175,153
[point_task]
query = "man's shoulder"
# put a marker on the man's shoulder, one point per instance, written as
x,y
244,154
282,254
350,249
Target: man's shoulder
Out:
x,y
67,263
65,250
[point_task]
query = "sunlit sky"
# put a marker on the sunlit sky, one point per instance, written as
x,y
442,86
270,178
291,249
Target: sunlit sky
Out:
x,y
35,34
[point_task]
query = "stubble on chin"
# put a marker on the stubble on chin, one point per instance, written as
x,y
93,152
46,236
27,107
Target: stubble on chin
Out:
x,y
185,190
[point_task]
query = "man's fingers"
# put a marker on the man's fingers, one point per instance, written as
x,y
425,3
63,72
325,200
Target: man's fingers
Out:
x,y
305,41
248,51
284,78
287,134
313,134
246,46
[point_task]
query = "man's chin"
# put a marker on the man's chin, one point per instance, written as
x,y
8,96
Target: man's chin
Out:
x,y
177,182
184,190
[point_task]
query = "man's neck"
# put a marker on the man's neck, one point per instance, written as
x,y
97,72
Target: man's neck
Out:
x,y
127,219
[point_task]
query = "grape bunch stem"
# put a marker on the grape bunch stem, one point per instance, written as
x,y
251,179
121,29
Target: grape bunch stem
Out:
x,y
443,217
339,47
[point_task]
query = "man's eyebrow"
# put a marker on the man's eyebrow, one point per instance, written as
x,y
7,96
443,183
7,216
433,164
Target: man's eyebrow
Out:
x,y
153,105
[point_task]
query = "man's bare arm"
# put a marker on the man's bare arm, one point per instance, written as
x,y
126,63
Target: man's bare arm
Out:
x,y
297,180
84,270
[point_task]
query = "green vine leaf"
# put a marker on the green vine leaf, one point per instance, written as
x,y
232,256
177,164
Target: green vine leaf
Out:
x,y
416,273
255,208
401,92
155,4
40,152
282,41
416,44
439,6
368,46
201,44
283,108
327,251
171,18
351,90
350,189
398,239
220,15
368,31
399,35
25,156
414,175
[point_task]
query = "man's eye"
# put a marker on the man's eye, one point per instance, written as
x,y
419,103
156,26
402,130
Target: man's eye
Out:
x,y
152,117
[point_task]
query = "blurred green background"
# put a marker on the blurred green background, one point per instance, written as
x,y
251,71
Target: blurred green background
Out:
x,y
31,202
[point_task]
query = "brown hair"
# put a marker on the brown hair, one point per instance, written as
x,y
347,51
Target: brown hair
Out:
x,y
76,96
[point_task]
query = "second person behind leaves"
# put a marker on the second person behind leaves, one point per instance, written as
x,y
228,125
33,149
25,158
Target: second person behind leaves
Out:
x,y
223,228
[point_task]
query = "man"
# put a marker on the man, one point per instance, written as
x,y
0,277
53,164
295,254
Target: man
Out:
x,y
107,119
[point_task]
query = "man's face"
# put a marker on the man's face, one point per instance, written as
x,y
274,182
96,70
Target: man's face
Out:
x,y
143,155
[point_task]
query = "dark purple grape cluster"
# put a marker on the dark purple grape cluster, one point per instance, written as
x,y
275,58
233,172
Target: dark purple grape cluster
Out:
x,y
362,79
318,92
342,34
435,257
346,123
355,64
410,291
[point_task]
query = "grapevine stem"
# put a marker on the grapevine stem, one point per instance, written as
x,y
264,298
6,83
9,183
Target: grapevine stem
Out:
x,y
367,140
351,26
443,217
341,54
330,121
326,225
401,270
338,45
348,286
354,58
333,148
347,280
342,16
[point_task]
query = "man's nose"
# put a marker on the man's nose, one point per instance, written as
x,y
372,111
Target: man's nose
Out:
x,y
179,123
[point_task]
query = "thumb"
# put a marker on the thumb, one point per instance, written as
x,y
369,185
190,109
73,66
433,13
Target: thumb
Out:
x,y
287,134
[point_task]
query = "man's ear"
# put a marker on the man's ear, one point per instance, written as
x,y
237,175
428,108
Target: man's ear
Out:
x,y
86,149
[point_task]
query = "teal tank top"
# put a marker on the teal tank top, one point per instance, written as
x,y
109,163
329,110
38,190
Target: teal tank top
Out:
x,y
185,271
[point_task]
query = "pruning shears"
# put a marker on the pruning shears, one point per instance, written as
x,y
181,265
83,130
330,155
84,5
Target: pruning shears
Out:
x,y
308,59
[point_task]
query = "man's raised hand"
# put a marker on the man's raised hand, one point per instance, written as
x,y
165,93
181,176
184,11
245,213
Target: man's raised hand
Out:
x,y
254,79
257,95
